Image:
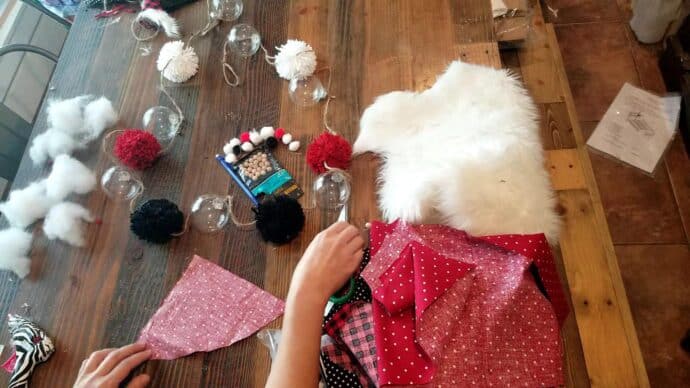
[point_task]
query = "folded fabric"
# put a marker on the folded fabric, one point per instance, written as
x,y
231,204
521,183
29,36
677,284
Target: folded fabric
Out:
x,y
408,288
209,308
356,331
493,327
339,368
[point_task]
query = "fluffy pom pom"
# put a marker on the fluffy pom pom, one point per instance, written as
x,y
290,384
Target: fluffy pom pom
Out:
x,y
271,142
26,206
244,137
287,138
156,221
50,144
231,158
99,114
64,222
234,142
137,148
294,146
295,60
69,176
237,150
255,137
177,62
15,244
66,115
279,133
267,132
329,149
161,19
227,149
279,218
247,147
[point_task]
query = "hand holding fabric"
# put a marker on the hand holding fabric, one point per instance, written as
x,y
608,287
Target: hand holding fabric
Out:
x,y
107,368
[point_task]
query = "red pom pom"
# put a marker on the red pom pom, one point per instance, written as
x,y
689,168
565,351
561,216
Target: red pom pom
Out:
x,y
279,133
329,149
137,148
244,137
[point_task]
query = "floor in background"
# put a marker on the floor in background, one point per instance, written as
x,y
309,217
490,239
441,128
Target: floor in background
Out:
x,y
649,217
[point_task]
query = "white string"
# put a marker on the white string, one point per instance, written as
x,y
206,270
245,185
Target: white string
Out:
x,y
226,66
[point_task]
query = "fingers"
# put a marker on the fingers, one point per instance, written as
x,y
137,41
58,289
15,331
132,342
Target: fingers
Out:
x,y
126,366
115,357
347,234
356,244
95,359
337,227
139,381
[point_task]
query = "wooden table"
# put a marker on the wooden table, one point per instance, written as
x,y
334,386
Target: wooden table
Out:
x,y
102,295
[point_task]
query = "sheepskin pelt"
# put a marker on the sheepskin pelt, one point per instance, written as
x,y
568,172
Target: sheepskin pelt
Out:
x,y
465,153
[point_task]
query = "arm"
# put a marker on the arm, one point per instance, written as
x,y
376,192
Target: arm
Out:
x,y
330,259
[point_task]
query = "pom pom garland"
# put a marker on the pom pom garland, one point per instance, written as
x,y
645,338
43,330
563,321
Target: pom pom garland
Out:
x,y
244,137
237,150
177,61
231,158
279,219
329,149
247,147
295,60
287,138
279,133
255,137
234,142
137,149
271,142
294,146
227,149
157,221
267,132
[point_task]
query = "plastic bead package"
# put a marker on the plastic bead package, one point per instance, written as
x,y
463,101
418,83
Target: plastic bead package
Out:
x,y
263,174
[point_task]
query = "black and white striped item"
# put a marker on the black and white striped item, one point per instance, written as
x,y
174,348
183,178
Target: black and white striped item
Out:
x,y
32,347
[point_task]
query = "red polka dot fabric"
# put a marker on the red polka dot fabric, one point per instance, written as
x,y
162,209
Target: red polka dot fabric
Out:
x,y
490,327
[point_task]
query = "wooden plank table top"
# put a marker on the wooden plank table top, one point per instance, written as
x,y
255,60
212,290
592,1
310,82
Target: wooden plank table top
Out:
x,y
103,294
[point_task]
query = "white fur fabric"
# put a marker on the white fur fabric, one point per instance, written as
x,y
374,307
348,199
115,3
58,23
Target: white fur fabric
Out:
x,y
465,153
27,205
15,244
64,222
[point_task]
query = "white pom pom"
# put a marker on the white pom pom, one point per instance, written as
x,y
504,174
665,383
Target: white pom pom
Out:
x,y
267,132
69,176
227,148
98,115
230,158
64,222
247,147
295,60
26,206
50,144
287,138
177,62
255,138
294,146
15,244
234,142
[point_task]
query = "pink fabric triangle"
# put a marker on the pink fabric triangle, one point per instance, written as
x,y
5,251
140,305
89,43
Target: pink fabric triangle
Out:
x,y
209,308
8,365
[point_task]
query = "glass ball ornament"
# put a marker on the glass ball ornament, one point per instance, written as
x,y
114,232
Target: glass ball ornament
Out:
x,y
306,92
244,40
210,213
332,190
163,123
119,184
226,10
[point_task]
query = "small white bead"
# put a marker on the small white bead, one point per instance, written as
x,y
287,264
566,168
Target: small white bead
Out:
x,y
294,146
230,158
247,147
287,138
234,142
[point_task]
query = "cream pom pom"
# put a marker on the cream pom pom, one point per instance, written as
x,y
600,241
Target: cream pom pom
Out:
x,y
287,138
247,147
294,145
177,62
230,158
255,137
267,132
295,60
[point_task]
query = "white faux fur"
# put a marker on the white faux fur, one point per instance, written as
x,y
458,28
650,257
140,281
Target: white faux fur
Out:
x,y
466,153
26,206
64,222
15,244
163,20
69,176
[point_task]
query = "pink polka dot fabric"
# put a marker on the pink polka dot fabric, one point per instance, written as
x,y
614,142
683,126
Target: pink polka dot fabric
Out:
x,y
491,327
209,308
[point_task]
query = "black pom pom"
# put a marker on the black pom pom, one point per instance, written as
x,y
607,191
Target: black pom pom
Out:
x,y
685,342
156,221
237,150
271,142
279,218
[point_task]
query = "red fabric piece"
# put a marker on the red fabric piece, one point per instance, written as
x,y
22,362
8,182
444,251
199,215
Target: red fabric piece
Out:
x,y
8,365
536,248
115,11
209,308
137,149
329,149
491,328
408,287
357,333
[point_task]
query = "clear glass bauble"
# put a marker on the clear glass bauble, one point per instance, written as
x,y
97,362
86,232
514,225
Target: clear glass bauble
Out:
x,y
163,123
226,10
119,184
332,190
306,92
210,213
244,40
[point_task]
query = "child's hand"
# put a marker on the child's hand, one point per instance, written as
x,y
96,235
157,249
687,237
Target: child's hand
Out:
x,y
107,368
331,258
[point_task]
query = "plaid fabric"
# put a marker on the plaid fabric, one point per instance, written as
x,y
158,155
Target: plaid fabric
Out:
x,y
342,364
357,333
333,325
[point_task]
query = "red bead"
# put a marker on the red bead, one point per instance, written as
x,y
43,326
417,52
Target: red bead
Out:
x,y
279,133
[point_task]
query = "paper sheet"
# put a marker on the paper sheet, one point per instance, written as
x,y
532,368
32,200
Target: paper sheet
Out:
x,y
637,127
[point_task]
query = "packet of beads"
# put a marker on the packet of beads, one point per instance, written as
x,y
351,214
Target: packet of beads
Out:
x,y
263,174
